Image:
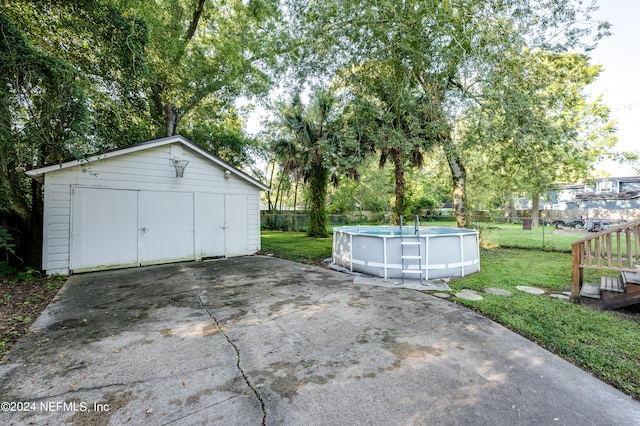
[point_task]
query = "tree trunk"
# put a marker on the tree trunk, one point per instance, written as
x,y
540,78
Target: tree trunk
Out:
x,y
510,213
398,208
295,196
172,115
317,226
535,210
459,178
269,202
35,228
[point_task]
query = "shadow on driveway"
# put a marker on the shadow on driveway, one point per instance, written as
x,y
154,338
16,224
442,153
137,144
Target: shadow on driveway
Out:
x,y
261,340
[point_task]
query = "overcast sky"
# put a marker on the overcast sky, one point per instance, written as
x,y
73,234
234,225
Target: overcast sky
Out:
x,y
619,54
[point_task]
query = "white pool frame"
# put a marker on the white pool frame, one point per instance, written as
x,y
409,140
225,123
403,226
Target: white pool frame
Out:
x,y
446,252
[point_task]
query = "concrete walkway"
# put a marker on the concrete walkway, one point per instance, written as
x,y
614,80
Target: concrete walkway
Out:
x,y
260,340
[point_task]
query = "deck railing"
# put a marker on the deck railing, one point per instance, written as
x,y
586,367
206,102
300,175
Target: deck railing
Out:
x,y
615,249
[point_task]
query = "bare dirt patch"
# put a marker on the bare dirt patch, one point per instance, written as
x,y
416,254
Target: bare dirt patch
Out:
x,y
570,231
21,302
631,312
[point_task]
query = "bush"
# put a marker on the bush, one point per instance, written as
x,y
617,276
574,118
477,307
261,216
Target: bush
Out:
x,y
285,222
6,270
27,275
296,222
6,243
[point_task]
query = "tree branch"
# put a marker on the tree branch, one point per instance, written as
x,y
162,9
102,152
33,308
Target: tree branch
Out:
x,y
156,91
195,19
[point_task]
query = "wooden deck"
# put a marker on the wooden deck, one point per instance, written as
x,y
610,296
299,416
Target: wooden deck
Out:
x,y
616,249
614,284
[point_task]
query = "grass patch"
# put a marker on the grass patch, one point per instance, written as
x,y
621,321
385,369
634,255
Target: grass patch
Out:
x,y
296,246
508,267
601,342
541,237
511,235
604,343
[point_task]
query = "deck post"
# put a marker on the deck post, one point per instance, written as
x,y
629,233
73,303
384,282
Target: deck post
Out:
x,y
576,272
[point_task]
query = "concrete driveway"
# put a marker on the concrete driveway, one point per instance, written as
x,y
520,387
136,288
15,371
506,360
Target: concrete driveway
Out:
x,y
260,340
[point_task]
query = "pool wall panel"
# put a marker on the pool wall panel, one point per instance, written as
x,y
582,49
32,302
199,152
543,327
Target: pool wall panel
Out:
x,y
449,252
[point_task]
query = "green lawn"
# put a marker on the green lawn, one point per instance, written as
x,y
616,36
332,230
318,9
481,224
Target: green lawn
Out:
x,y
296,246
604,343
542,237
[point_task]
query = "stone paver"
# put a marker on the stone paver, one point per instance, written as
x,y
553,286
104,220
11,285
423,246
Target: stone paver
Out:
x,y
497,291
469,295
530,290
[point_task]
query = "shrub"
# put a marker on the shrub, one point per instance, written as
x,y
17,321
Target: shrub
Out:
x,y
6,243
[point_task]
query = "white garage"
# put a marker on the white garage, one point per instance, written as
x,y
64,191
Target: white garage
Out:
x,y
160,201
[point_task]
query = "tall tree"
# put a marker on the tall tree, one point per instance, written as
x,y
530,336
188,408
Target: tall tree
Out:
x,y
311,146
107,51
203,51
390,119
446,49
539,127
43,118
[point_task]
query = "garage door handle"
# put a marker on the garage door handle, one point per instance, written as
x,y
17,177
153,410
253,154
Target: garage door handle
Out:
x,y
144,229
223,227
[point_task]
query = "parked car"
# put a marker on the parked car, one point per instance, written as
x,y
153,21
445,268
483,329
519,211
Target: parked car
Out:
x,y
568,223
597,225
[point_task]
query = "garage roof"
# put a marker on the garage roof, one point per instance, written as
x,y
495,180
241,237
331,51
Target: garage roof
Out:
x,y
37,173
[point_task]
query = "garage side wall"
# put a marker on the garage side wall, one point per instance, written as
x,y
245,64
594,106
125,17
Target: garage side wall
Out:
x,y
146,170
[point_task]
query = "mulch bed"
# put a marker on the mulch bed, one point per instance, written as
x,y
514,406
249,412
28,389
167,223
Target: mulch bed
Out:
x,y
631,312
20,304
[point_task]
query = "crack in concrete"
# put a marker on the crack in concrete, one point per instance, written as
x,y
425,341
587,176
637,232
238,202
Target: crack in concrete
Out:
x,y
238,359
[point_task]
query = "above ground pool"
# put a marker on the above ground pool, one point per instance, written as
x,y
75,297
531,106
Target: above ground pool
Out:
x,y
377,251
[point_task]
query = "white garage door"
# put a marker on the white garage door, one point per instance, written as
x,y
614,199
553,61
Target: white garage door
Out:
x,y
210,225
118,228
165,222
104,228
223,225
236,224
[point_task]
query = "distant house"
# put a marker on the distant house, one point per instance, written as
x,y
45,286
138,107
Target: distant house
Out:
x,y
606,198
611,198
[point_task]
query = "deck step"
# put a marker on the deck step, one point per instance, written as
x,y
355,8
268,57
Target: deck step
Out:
x,y
590,290
612,284
410,243
411,271
412,257
631,277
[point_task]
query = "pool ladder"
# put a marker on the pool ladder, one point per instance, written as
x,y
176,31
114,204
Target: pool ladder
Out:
x,y
411,251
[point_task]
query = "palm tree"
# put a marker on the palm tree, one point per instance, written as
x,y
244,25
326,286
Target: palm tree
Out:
x,y
396,119
308,147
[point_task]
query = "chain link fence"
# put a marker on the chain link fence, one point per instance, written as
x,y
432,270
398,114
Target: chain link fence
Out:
x,y
296,222
299,221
